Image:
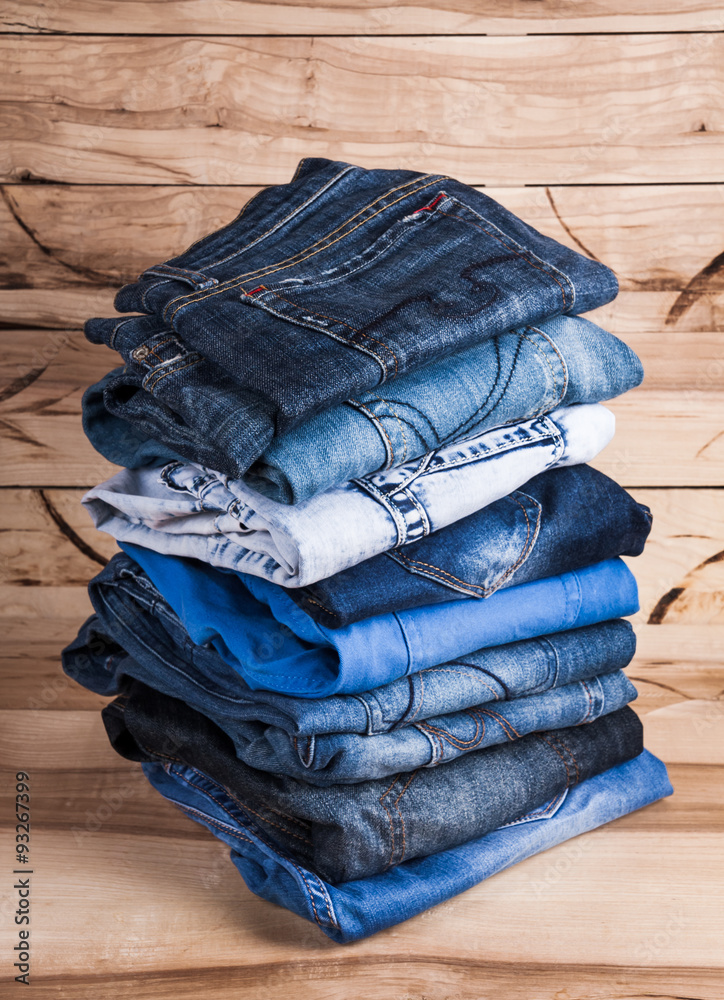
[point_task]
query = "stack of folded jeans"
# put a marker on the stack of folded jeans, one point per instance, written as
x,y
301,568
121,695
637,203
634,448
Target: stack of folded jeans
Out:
x,y
367,622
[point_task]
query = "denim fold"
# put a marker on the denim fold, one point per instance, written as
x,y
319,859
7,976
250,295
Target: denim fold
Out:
x,y
189,511
347,832
357,909
424,721
256,627
512,377
319,291
135,632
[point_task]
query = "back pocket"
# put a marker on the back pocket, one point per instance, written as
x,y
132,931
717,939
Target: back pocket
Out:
x,y
481,553
439,278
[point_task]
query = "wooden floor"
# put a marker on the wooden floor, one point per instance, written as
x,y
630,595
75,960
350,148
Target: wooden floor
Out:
x,y
131,128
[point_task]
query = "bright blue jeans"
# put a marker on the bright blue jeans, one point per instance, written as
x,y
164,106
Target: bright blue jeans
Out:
x,y
273,644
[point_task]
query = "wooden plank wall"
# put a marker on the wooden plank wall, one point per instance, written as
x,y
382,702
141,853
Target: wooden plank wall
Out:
x,y
130,129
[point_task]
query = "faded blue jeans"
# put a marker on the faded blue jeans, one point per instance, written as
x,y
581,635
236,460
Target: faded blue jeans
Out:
x,y
186,510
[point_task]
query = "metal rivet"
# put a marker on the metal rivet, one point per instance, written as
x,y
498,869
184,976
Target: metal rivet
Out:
x,y
140,353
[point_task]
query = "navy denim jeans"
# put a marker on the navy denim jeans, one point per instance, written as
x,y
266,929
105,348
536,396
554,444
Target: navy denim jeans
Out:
x,y
505,379
559,521
345,832
323,289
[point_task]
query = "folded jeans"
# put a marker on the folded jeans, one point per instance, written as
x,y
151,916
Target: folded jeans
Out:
x,y
319,291
345,832
190,511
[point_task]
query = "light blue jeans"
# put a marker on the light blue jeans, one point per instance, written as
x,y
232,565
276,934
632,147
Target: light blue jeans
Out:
x,y
186,510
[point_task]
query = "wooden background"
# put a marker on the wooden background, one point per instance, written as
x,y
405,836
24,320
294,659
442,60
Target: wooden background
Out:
x,y
131,128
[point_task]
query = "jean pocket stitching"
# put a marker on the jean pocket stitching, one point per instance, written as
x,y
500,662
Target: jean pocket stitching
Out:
x,y
562,360
518,249
379,427
262,272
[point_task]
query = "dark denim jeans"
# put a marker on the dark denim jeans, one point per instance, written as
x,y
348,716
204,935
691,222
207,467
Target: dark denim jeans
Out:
x,y
348,832
319,291
561,520
354,910
423,721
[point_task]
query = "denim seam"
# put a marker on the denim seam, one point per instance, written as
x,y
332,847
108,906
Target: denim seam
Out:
x,y
414,715
347,341
369,724
360,333
389,819
550,740
539,437
399,812
579,598
116,327
507,240
420,508
310,200
548,648
395,414
274,850
389,506
262,272
588,714
169,371
564,366
539,812
319,604
463,673
377,424
150,287
362,260
433,743
505,724
263,819
457,741
406,639
485,591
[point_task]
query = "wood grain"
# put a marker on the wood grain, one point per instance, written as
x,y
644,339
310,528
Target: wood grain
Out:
x,y
64,250
598,108
337,17
648,931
